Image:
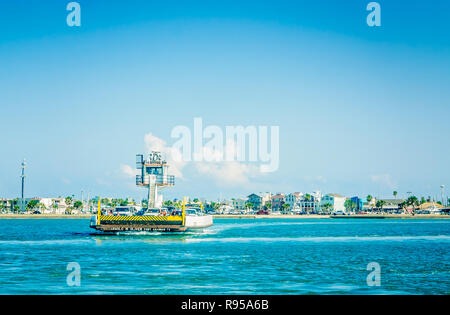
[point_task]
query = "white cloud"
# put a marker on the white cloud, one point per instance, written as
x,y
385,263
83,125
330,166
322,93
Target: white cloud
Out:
x,y
128,171
384,179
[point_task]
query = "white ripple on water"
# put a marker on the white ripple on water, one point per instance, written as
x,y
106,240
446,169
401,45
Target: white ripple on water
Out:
x,y
261,224
46,242
321,239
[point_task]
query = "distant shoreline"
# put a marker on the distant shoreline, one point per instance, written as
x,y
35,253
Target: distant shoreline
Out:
x,y
312,216
243,216
45,216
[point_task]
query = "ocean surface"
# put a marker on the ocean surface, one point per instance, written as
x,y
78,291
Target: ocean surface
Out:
x,y
232,257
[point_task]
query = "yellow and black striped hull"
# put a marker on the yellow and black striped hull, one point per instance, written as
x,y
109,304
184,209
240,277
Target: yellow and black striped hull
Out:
x,y
140,223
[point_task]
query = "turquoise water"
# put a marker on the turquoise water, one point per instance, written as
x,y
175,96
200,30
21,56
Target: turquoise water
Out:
x,y
232,257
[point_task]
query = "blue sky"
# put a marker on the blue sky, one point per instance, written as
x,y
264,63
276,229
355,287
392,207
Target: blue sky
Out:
x,y
361,110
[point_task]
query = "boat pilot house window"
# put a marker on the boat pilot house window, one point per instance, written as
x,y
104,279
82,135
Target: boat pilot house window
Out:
x,y
154,171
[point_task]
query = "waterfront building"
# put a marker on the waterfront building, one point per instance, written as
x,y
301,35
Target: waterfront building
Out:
x,y
259,200
10,204
310,203
255,200
392,205
48,205
46,202
293,200
6,205
239,204
59,206
265,198
336,201
278,201
359,202
317,195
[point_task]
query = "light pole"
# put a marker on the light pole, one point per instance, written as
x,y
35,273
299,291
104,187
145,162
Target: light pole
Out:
x,y
88,202
22,176
82,201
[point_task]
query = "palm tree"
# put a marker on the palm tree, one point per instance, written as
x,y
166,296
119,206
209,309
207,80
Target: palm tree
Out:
x,y
168,203
308,198
32,204
395,193
369,200
348,204
413,201
55,207
78,204
327,207
380,204
285,207
68,201
41,207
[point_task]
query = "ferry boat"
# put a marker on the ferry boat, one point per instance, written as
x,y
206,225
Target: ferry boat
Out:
x,y
154,218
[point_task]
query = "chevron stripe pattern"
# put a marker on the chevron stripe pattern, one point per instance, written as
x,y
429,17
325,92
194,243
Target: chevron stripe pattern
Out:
x,y
112,219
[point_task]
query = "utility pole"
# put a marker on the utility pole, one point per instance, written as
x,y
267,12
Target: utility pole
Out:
x,y
88,202
22,200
